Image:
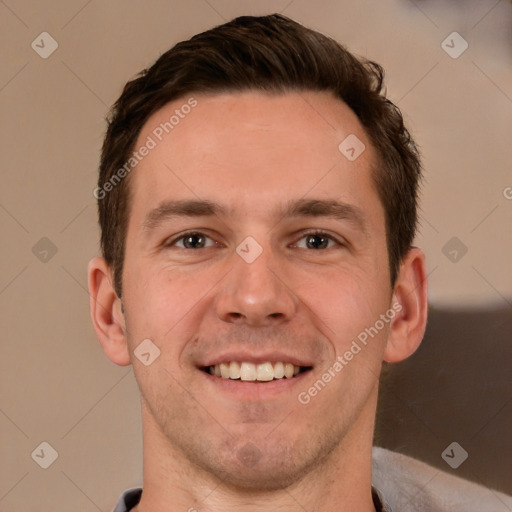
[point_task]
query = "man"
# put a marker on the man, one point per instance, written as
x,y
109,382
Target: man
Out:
x,y
257,202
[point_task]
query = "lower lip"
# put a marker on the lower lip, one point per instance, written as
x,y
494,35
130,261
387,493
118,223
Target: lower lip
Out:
x,y
254,390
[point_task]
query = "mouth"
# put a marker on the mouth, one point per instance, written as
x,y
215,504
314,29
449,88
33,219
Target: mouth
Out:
x,y
256,372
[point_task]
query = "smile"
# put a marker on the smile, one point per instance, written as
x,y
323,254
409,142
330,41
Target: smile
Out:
x,y
250,372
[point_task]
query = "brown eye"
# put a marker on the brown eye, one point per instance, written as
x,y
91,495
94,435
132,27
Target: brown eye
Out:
x,y
319,240
191,240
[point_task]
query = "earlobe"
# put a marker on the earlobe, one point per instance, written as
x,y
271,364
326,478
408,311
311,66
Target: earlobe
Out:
x,y
410,301
106,312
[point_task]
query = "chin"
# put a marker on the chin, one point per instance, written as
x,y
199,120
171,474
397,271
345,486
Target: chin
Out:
x,y
269,468
263,477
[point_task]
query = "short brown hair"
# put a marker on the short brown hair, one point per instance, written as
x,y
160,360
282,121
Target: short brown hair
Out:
x,y
275,54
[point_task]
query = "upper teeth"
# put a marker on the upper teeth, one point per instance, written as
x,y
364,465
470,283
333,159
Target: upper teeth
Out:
x,y
250,371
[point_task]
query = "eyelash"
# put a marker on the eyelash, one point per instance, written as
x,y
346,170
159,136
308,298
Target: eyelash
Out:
x,y
304,234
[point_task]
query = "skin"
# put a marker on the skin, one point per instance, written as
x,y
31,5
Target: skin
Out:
x,y
206,448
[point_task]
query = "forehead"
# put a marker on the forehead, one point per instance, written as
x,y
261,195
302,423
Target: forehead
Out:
x,y
252,151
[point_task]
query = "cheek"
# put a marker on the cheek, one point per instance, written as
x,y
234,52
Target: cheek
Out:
x,y
165,305
350,306
346,300
158,298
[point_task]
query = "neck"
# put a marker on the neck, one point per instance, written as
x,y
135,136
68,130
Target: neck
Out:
x,y
341,482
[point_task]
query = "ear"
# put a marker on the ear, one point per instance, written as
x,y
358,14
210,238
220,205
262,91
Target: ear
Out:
x,y
106,312
410,301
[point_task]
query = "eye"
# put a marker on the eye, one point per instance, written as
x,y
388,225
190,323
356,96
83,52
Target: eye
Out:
x,y
197,240
191,240
318,240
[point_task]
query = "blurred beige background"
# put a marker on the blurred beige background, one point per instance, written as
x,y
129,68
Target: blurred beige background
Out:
x,y
57,386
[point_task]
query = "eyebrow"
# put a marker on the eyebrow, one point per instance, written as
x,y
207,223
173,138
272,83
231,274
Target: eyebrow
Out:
x,y
328,208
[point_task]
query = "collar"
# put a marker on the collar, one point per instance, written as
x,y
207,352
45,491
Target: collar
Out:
x,y
131,497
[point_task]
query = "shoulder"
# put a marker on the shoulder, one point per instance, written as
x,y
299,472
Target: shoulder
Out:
x,y
406,483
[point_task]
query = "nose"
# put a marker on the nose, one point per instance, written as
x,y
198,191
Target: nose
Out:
x,y
256,293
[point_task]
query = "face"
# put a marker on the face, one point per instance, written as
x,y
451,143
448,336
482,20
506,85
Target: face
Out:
x,y
275,253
